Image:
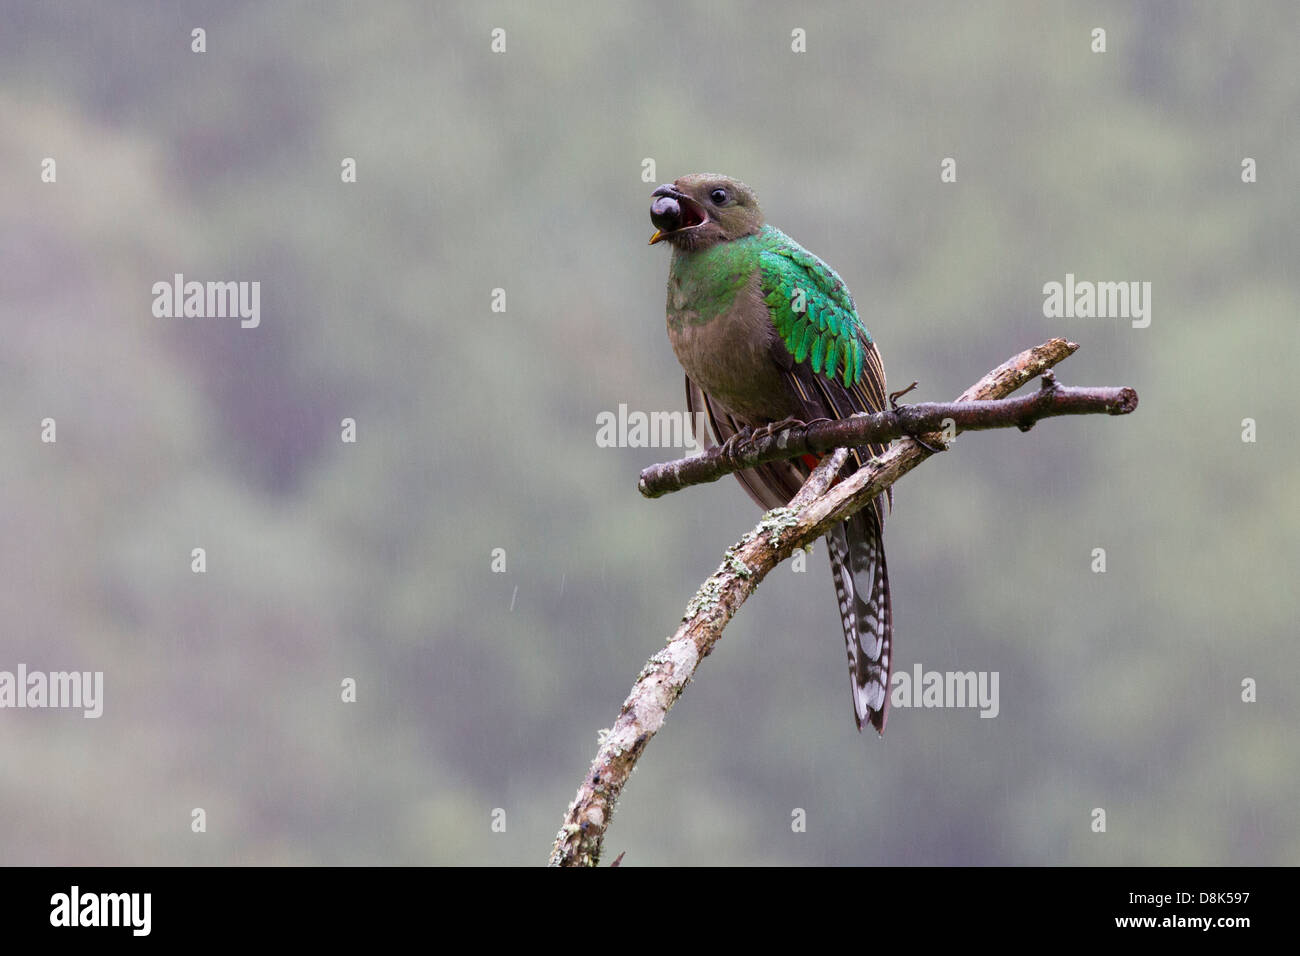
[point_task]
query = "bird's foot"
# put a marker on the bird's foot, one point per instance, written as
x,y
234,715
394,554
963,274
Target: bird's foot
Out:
x,y
895,396
893,403
743,441
771,428
731,448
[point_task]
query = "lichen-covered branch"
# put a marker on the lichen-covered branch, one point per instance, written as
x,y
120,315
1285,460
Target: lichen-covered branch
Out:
x,y
817,508
907,420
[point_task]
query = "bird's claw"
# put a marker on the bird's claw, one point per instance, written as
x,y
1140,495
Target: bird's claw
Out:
x,y
730,449
771,428
895,396
742,441
893,403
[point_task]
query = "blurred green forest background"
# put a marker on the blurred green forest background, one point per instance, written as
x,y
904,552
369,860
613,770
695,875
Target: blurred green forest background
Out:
x,y
476,430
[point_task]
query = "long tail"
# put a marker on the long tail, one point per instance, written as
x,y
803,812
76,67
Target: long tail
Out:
x,y
862,586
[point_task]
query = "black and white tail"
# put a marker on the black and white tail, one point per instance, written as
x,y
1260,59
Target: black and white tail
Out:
x,y
862,587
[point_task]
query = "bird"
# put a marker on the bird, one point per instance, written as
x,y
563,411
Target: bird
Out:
x,y
768,335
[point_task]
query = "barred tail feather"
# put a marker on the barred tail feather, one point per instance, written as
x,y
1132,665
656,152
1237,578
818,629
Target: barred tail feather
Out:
x,y
862,586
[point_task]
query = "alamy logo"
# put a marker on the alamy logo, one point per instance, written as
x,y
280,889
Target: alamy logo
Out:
x,y
208,300
1099,300
956,689
76,908
70,689
633,429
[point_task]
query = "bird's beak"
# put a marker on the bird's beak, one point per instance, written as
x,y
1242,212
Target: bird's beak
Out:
x,y
672,211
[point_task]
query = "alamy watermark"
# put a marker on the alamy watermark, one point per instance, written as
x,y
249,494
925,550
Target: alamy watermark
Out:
x,y
82,690
947,689
208,300
1084,299
636,429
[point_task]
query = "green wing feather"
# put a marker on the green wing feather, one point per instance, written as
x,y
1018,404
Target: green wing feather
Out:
x,y
828,329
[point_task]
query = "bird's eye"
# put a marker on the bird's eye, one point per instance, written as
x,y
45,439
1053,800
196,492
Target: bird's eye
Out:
x,y
718,196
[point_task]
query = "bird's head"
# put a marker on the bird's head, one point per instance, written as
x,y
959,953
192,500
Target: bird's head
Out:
x,y
703,209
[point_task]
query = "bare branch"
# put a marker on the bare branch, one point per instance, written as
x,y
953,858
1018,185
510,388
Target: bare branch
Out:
x,y
822,477
907,420
809,516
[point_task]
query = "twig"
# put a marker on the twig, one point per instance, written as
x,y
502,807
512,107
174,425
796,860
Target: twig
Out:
x,y
745,564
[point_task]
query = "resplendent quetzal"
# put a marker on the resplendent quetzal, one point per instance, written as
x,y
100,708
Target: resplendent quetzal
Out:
x,y
768,332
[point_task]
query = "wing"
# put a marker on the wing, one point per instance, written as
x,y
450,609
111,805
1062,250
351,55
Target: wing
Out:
x,y
821,343
813,312
835,369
